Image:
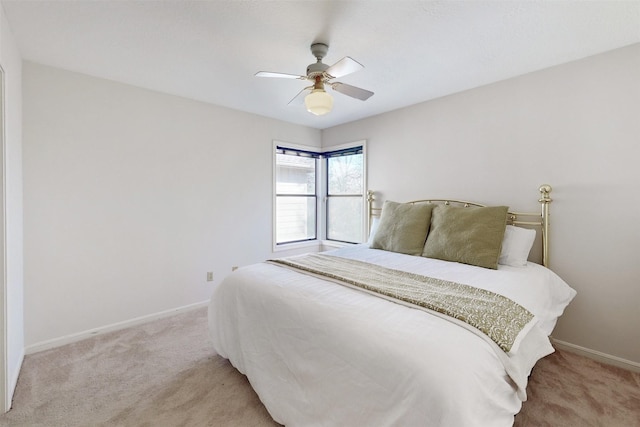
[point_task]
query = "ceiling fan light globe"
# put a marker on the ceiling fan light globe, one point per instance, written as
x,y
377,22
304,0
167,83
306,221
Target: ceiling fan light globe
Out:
x,y
318,102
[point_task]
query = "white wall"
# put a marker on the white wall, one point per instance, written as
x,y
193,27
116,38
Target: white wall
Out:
x,y
576,127
11,63
131,196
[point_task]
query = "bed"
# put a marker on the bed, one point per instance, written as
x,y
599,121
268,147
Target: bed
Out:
x,y
420,326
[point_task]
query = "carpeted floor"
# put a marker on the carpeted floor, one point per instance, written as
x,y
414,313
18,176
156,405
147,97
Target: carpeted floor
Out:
x,y
165,373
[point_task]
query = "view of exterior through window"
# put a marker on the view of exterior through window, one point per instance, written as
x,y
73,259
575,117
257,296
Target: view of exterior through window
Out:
x,y
298,186
345,182
295,197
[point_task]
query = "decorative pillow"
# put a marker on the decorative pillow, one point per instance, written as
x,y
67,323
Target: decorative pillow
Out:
x,y
471,235
403,227
516,246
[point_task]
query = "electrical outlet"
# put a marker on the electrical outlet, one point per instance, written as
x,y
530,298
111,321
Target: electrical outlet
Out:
x,y
210,276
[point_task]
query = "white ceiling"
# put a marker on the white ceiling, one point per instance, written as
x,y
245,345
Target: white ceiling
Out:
x,y
412,51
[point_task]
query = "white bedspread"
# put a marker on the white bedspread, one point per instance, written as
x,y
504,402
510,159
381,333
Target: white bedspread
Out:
x,y
321,354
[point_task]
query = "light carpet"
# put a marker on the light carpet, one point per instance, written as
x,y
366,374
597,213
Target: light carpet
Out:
x,y
165,373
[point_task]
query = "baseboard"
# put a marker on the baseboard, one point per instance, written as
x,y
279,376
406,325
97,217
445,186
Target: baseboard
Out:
x,y
597,355
57,342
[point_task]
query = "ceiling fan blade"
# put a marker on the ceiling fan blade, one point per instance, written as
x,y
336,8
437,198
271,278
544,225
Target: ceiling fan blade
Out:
x,y
346,65
352,91
279,75
299,98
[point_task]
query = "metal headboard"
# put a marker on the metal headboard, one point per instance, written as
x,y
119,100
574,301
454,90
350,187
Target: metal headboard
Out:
x,y
530,219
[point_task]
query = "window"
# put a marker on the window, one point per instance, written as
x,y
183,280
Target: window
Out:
x,y
319,195
345,194
296,198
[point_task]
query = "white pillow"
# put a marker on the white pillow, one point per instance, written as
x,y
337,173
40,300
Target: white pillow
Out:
x,y
374,227
516,245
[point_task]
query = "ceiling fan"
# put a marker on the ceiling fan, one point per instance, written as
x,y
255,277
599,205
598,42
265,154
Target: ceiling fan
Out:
x,y
318,101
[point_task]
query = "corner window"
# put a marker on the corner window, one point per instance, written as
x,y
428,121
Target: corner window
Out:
x,y
319,195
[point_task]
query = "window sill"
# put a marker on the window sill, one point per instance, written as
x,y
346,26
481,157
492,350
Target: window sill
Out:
x,y
327,245
311,246
298,245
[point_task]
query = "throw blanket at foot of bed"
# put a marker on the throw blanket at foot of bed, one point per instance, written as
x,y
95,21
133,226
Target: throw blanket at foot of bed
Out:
x,y
496,316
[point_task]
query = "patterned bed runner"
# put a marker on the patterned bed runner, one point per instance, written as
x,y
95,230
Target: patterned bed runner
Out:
x,y
498,317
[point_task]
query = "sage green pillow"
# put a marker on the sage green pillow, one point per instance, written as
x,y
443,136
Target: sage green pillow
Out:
x,y
471,235
403,227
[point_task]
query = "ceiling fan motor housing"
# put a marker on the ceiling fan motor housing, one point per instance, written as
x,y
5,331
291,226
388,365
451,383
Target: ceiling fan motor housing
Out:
x,y
319,50
316,69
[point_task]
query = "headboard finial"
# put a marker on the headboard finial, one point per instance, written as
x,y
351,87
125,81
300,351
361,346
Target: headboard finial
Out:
x,y
370,197
545,189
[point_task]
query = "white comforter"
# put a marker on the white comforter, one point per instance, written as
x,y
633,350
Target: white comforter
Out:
x,y
321,354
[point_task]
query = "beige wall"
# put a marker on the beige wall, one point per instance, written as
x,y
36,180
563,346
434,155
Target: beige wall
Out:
x,y
132,196
576,127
